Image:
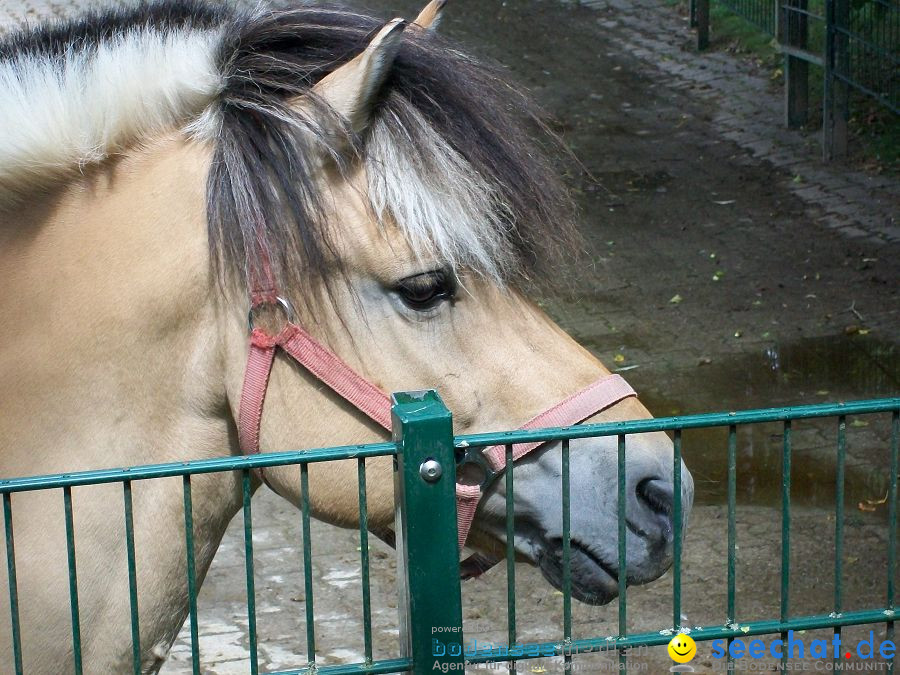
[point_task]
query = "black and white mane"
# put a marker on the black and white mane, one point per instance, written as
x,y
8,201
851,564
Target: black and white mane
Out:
x,y
448,156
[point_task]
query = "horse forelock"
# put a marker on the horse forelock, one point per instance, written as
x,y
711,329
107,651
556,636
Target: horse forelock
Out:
x,y
448,155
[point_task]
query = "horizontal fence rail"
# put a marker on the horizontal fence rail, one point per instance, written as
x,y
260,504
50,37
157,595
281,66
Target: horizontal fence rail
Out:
x,y
429,593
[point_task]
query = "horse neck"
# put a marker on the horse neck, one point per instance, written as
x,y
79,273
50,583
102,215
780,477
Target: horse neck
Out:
x,y
108,338
109,356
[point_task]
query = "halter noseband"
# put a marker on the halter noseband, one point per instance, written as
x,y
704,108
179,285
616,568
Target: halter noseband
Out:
x,y
366,397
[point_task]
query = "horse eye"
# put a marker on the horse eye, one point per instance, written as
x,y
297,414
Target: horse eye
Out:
x,y
425,291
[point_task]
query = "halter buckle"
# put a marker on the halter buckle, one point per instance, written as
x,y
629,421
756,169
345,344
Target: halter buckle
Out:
x,y
475,456
279,301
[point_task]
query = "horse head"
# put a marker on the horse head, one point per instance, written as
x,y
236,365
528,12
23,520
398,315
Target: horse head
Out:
x,y
426,215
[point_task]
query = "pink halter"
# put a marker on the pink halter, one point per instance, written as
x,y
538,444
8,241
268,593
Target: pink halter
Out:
x,y
369,399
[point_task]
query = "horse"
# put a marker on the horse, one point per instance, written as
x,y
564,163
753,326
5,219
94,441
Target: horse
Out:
x,y
162,164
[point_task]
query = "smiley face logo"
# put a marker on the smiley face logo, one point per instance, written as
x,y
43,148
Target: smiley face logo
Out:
x,y
682,648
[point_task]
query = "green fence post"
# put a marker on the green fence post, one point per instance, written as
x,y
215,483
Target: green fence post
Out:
x,y
835,107
427,555
793,34
701,20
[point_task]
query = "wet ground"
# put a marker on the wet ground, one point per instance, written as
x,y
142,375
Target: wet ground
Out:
x,y
712,286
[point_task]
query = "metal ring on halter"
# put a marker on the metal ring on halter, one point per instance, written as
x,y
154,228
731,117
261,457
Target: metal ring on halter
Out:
x,y
476,456
285,305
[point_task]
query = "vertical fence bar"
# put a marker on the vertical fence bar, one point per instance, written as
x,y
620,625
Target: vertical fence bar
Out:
x,y
510,556
623,627
839,520
785,534
567,556
892,525
795,34
677,517
307,565
364,558
426,494
132,579
835,108
13,584
73,579
248,566
702,23
732,531
191,571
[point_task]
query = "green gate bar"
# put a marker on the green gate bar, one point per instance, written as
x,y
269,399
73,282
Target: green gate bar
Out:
x,y
248,568
785,534
73,578
510,558
191,573
364,559
307,567
892,525
839,519
678,524
731,610
132,579
567,552
622,541
13,585
427,553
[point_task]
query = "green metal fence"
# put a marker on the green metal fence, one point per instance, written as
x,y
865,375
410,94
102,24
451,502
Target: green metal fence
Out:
x,y
429,590
855,43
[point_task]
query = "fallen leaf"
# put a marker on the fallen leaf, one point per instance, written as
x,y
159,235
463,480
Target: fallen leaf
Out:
x,y
864,331
822,392
675,299
859,423
619,358
738,333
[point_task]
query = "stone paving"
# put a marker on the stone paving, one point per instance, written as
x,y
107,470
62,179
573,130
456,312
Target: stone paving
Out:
x,y
749,111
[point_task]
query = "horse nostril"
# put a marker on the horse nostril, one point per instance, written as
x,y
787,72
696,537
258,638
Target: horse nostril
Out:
x,y
658,496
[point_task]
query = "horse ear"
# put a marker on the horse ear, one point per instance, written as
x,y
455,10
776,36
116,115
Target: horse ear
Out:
x,y
352,88
430,16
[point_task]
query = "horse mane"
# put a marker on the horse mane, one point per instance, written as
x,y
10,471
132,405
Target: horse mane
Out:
x,y
453,155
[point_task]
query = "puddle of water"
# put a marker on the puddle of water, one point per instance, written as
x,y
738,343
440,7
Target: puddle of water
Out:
x,y
814,370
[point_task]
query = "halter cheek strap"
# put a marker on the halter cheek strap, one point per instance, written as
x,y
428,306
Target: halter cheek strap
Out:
x,y
366,397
